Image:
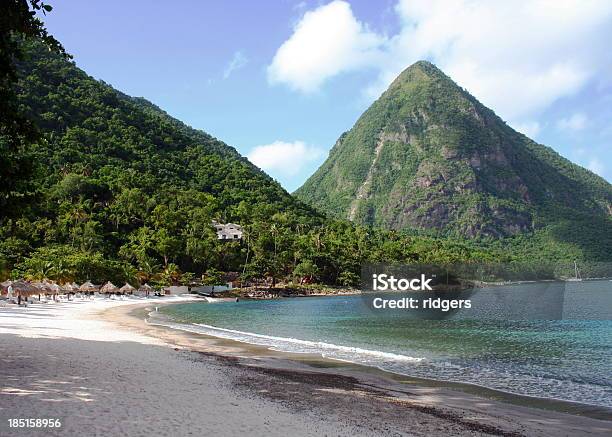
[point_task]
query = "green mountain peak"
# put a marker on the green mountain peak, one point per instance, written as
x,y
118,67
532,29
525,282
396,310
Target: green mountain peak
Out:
x,y
420,67
429,156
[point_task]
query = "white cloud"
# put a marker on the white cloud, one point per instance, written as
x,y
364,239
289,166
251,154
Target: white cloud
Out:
x,y
577,121
326,41
286,158
529,128
596,166
517,57
236,63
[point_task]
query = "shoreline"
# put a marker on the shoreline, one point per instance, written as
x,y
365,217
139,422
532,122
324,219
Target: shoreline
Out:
x,y
263,293
245,350
252,355
305,390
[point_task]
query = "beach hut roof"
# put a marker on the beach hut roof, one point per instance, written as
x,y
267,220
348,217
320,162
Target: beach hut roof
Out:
x,y
41,287
70,287
46,287
127,288
24,288
145,287
109,287
52,287
88,286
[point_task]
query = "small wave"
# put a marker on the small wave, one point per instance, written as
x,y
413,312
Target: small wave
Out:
x,y
289,344
317,344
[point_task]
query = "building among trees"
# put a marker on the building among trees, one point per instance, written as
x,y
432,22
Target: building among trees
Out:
x,y
228,231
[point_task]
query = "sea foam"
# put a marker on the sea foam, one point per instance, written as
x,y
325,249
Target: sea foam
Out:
x,y
290,344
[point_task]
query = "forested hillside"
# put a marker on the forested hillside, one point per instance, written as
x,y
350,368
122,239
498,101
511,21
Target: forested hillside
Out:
x,y
117,189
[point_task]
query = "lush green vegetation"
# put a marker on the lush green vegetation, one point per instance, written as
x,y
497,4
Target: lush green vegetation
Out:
x,y
120,190
17,22
427,155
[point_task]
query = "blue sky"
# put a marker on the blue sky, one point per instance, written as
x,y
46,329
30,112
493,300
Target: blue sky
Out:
x,y
281,80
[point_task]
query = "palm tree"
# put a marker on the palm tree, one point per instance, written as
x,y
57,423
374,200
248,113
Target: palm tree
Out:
x,y
148,269
171,274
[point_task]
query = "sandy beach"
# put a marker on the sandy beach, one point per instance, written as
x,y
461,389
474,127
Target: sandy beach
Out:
x,y
100,369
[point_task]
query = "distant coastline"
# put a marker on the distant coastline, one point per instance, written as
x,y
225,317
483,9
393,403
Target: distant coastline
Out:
x,y
316,290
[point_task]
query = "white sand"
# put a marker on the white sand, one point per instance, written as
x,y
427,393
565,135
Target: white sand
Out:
x,y
77,318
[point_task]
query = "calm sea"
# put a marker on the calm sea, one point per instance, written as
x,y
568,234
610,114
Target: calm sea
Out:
x,y
568,359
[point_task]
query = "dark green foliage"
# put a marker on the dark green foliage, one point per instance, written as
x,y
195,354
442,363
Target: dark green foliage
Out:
x,y
18,22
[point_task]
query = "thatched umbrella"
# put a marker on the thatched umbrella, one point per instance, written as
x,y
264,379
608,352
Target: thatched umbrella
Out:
x,y
109,288
52,287
69,289
42,288
127,289
24,289
146,289
88,287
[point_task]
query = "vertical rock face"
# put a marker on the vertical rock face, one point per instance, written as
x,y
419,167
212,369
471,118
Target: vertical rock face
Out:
x,y
428,155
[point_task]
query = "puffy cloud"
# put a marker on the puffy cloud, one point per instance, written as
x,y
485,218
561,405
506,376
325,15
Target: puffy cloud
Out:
x,y
286,158
236,63
326,41
516,57
577,121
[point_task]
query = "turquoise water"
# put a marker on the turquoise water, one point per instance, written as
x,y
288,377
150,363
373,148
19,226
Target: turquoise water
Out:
x,y
569,359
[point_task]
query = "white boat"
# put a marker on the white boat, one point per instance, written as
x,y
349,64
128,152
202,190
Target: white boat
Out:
x,y
210,299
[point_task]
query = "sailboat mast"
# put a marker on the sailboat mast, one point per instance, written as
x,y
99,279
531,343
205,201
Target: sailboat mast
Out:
x,y
576,273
